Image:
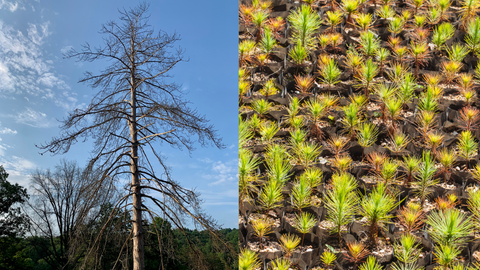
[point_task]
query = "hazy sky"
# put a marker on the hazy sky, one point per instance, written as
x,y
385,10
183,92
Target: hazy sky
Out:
x,y
38,86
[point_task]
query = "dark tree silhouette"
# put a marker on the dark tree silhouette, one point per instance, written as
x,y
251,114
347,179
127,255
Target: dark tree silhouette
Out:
x,y
135,111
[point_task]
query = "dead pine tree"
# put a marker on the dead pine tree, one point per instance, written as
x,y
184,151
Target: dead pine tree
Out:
x,y
135,111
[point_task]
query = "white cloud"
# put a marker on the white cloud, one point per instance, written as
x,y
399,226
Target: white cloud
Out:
x,y
8,131
24,70
65,49
33,118
12,6
221,171
18,169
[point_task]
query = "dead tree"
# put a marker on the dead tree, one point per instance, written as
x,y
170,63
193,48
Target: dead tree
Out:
x,y
135,111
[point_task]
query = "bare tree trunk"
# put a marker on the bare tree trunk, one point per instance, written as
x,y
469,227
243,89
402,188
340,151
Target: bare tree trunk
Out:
x,y
138,249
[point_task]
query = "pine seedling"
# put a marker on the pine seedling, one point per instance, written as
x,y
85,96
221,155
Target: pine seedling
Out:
x,y
411,217
248,260
342,163
450,227
301,194
376,160
268,131
262,107
269,88
445,255
341,202
425,177
289,243
398,142
329,72
328,258
261,228
364,21
407,250
313,176
367,134
304,223
447,158
370,264
442,33
376,207
281,264
334,18
469,118
247,166
410,163
366,74
337,145
369,44
457,52
434,140
472,39
450,70
304,23
304,83
388,172
467,146
271,196
357,252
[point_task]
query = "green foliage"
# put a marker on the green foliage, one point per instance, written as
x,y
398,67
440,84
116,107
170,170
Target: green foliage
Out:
x,y
396,25
449,227
304,223
281,264
472,39
247,166
446,254
367,134
268,131
330,73
278,164
261,106
334,18
376,207
474,207
442,33
306,153
298,54
304,22
271,196
425,176
289,243
14,223
313,176
407,251
301,194
370,264
351,119
467,145
341,202
366,74
328,258
268,42
369,44
248,260
457,52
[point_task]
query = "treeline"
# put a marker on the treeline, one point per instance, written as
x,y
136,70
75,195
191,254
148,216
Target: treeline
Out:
x,y
58,224
28,253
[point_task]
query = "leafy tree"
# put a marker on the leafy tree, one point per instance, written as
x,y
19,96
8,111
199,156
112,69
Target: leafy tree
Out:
x,y
135,110
12,221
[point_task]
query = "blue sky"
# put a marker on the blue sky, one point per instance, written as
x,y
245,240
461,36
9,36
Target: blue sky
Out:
x,y
38,86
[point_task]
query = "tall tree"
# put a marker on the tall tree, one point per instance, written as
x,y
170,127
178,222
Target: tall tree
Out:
x,y
63,201
134,111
